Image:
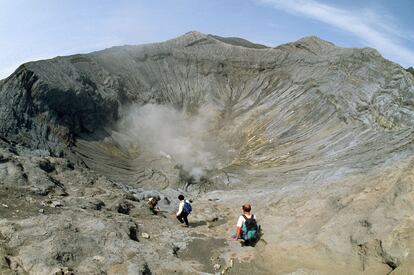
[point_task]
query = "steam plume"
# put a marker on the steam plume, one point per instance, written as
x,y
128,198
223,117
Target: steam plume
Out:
x,y
166,131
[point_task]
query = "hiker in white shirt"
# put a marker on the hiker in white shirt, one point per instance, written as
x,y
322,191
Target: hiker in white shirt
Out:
x,y
242,219
182,214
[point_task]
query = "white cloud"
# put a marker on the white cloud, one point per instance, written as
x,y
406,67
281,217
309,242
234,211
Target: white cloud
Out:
x,y
376,31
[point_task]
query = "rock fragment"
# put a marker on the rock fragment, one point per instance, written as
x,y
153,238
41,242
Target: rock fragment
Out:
x,y
56,204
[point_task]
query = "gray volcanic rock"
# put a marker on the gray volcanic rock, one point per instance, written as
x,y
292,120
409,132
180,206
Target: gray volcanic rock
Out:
x,y
411,70
51,102
317,137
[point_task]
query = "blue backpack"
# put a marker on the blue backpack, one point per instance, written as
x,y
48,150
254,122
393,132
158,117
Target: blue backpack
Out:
x,y
250,229
187,207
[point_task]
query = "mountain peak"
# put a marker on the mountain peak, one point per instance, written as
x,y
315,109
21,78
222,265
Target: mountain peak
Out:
x,y
311,44
193,37
237,41
312,39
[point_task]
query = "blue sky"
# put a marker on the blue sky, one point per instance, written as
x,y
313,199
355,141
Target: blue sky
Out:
x,y
32,30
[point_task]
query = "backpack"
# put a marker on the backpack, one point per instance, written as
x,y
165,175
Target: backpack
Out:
x,y
187,207
250,229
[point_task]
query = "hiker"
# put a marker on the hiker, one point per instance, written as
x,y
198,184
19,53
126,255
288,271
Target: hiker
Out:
x,y
247,227
152,203
184,209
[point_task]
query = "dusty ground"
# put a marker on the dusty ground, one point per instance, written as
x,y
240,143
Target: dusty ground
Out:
x,y
87,224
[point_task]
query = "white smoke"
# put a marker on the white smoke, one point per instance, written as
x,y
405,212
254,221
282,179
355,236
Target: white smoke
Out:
x,y
174,134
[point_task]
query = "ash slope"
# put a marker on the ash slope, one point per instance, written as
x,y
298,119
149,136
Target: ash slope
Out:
x,y
313,128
